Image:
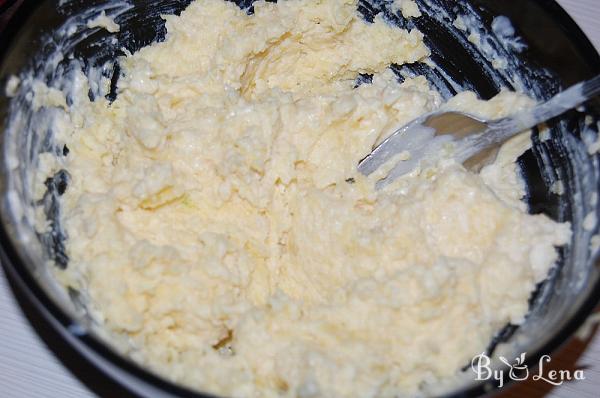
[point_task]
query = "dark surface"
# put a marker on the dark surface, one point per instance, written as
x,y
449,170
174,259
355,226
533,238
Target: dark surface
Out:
x,y
7,8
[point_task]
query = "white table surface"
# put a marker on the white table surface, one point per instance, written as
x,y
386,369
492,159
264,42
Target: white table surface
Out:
x,y
29,368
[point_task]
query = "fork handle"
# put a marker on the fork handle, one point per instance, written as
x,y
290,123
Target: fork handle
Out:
x,y
502,129
568,99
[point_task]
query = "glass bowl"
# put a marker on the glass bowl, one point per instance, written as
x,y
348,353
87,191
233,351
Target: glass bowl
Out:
x,y
545,52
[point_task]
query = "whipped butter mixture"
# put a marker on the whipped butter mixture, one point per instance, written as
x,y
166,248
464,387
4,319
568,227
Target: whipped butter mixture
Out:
x,y
218,225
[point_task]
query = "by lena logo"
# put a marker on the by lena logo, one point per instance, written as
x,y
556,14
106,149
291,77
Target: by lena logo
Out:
x,y
518,371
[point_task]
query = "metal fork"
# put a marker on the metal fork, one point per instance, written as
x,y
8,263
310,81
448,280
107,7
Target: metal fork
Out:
x,y
472,139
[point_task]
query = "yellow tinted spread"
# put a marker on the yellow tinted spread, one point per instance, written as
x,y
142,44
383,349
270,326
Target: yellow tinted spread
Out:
x,y
218,224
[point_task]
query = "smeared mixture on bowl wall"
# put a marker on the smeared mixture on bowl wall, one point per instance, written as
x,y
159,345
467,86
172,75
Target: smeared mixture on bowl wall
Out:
x,y
217,222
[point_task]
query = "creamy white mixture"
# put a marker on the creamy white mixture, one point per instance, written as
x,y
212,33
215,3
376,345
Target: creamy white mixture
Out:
x,y
103,21
217,222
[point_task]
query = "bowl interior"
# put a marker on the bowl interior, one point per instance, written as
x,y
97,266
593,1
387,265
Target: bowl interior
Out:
x,y
544,52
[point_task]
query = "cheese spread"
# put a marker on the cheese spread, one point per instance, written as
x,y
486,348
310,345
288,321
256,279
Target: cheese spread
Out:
x,y
218,225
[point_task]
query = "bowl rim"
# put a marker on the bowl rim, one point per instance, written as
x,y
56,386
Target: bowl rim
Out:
x,y
138,379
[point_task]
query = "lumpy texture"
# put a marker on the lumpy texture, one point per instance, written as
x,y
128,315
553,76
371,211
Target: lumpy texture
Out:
x,y
223,237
